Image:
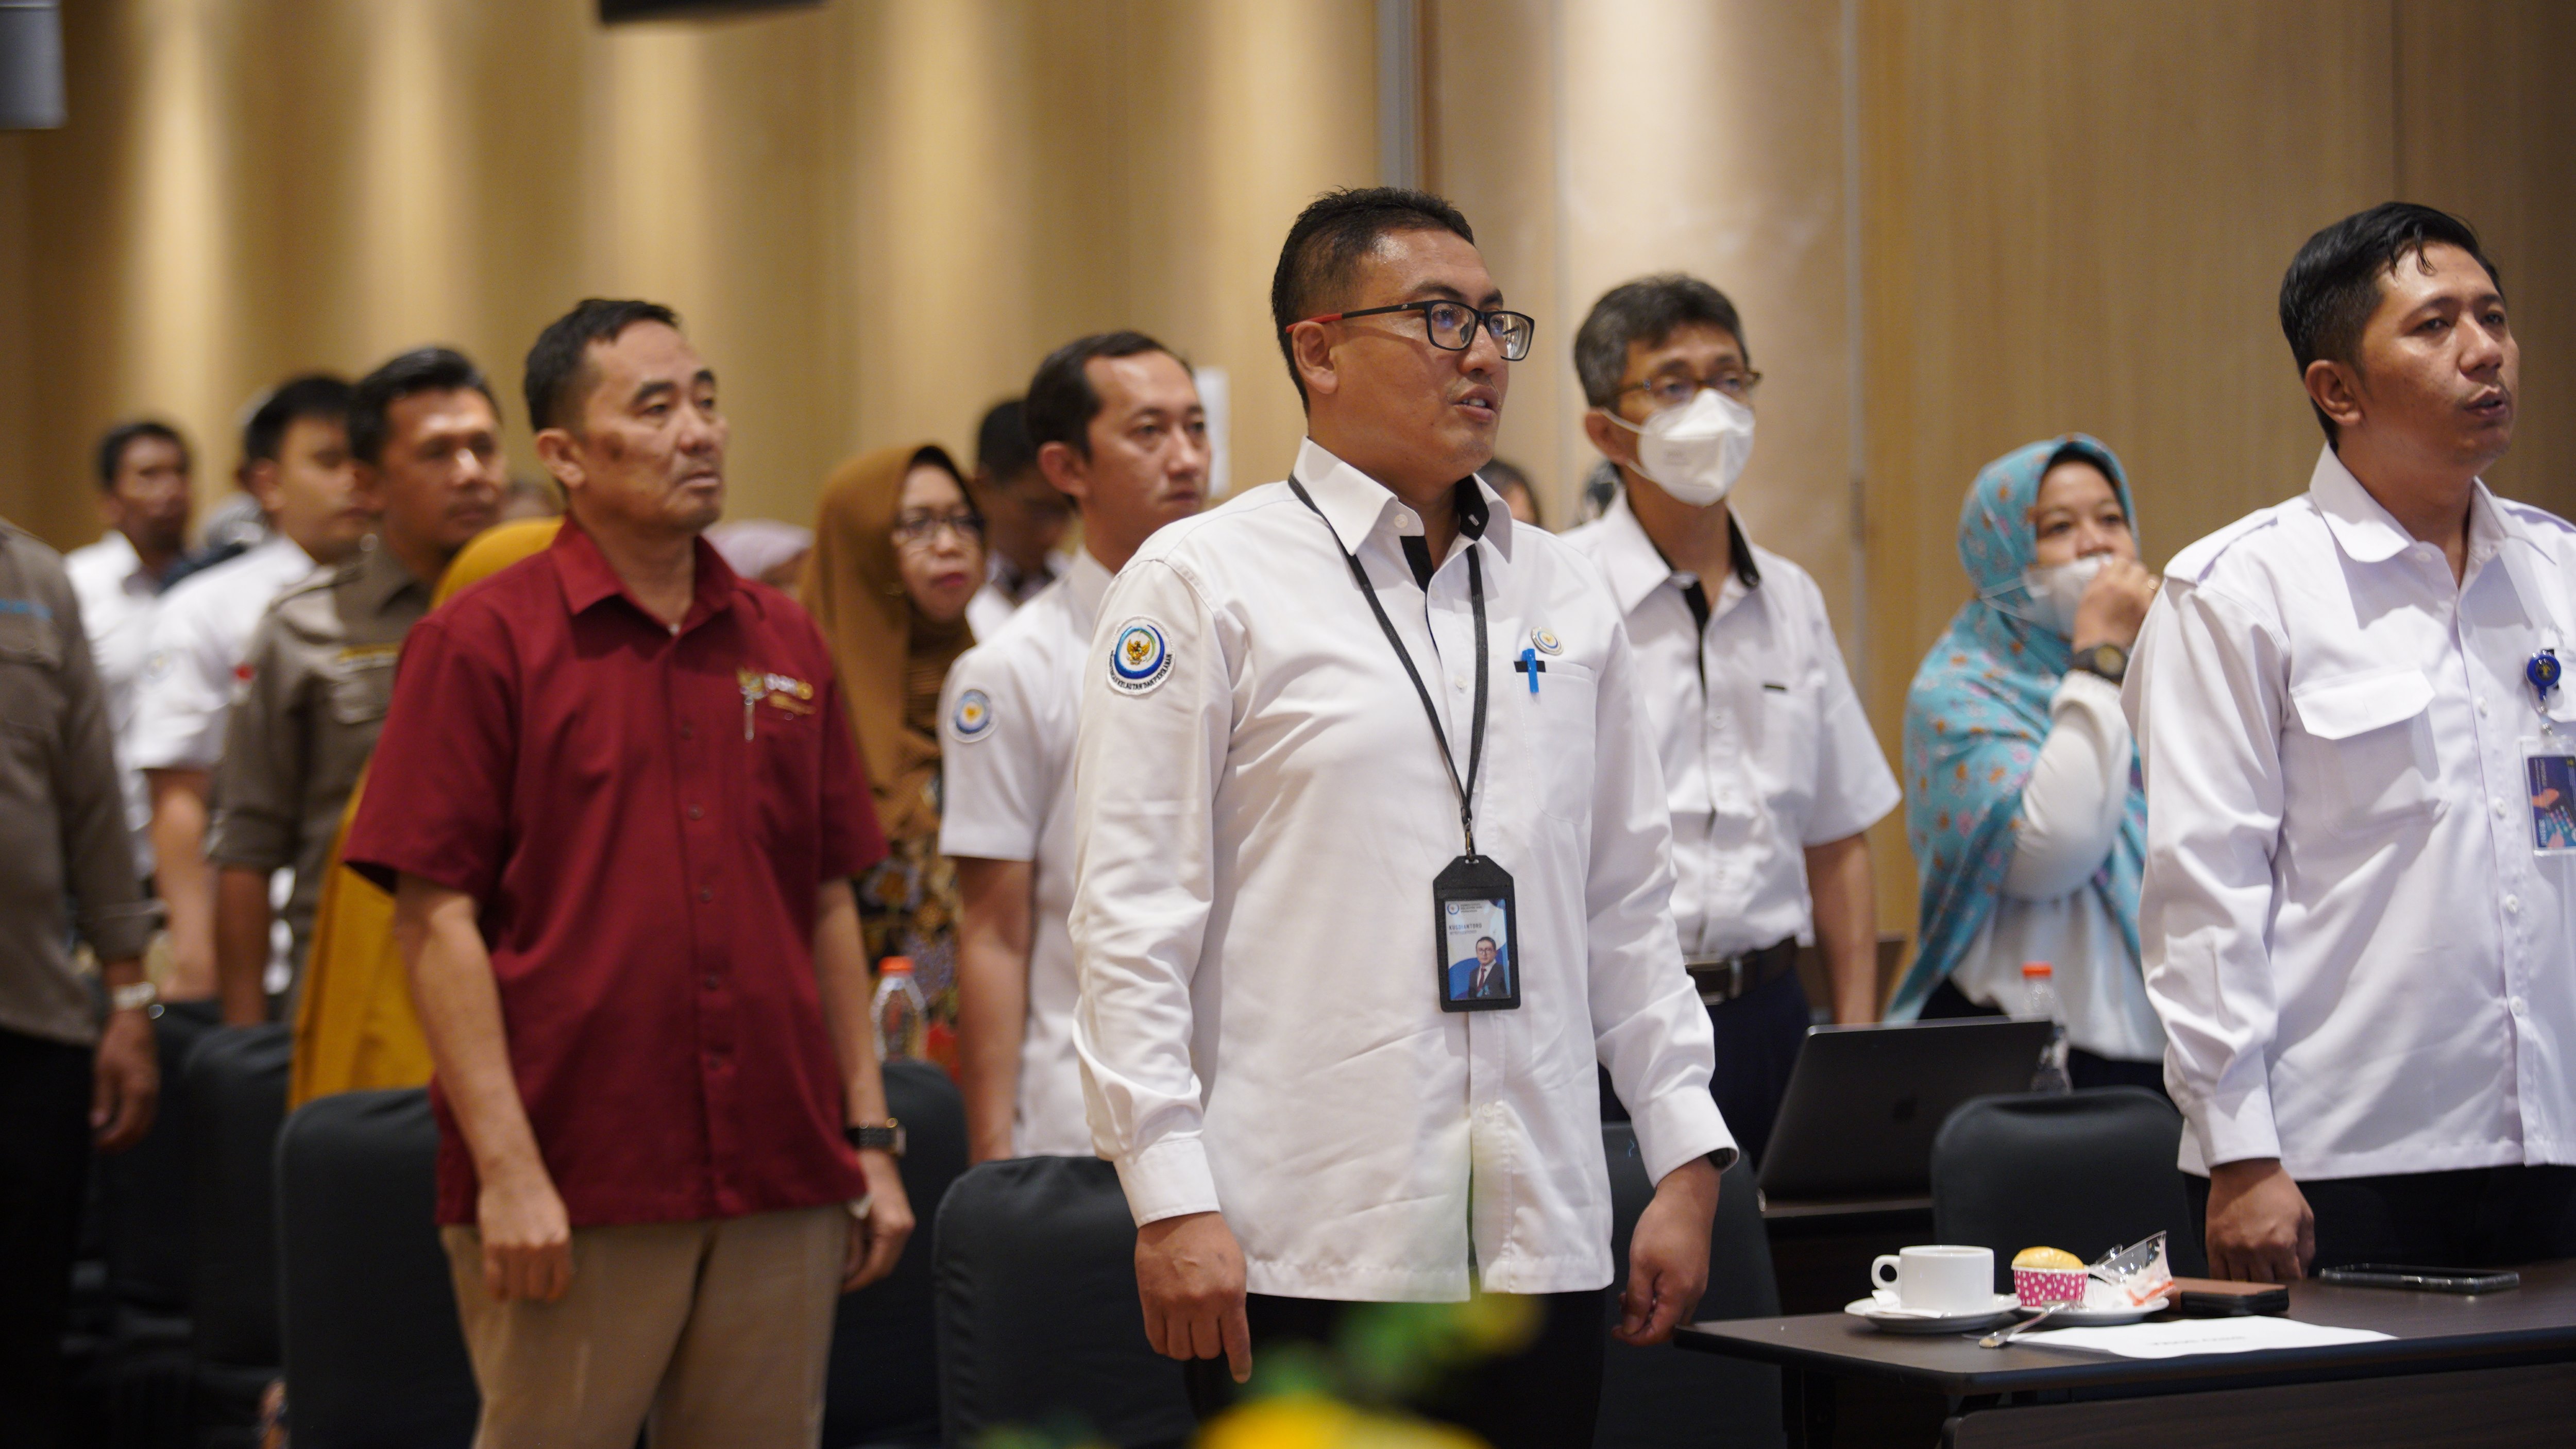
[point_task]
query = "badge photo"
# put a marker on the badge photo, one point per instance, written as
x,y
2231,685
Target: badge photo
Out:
x,y
972,719
1140,660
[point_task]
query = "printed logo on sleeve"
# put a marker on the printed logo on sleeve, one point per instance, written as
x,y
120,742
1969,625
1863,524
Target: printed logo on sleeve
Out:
x,y
1140,661
972,720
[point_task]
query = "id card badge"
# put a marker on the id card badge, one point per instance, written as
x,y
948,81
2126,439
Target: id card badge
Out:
x,y
2549,779
1480,934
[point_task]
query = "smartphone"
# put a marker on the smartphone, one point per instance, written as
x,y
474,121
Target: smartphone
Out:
x,y
2423,1280
2210,1298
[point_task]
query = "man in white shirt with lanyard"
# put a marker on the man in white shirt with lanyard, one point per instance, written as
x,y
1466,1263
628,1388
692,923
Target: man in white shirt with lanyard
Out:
x,y
1332,734
1116,425
1769,764
2359,910
295,461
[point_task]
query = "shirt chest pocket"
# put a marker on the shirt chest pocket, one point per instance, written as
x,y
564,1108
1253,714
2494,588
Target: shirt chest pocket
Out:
x,y
31,664
1561,718
360,689
1790,726
2363,748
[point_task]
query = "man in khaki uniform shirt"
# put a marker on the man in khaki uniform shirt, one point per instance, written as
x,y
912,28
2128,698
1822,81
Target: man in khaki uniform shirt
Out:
x,y
425,432
62,1077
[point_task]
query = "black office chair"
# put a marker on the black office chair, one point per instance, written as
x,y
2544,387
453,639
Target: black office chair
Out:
x,y
374,1356
2083,1171
236,1102
1039,1324
882,1391
235,1095
1665,1398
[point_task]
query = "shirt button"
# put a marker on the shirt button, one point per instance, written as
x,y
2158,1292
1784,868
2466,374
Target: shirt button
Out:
x,y
696,813
706,893
2518,1005
714,981
2512,904
2482,709
1458,682
2498,807
688,731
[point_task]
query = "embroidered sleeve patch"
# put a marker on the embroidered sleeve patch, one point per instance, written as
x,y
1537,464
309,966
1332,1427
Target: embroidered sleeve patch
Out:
x,y
1140,661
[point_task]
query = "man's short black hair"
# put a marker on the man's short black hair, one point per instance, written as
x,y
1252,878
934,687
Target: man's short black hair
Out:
x,y
111,448
1062,402
2334,283
423,369
559,369
1647,310
318,396
1321,256
1002,447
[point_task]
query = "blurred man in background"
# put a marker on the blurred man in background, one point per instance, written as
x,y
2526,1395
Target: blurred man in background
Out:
x,y
296,463
1024,519
1120,431
66,1080
426,436
144,470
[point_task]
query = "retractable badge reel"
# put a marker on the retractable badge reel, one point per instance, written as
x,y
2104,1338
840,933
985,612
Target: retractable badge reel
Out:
x,y
2549,764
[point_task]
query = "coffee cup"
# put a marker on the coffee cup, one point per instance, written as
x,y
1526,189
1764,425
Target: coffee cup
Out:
x,y
1938,1278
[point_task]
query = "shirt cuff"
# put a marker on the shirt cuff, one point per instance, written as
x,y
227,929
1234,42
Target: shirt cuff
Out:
x,y
120,933
1167,1179
2083,687
2232,1125
1678,1126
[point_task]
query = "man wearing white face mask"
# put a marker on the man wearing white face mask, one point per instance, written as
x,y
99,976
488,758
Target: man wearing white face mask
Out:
x,y
1769,765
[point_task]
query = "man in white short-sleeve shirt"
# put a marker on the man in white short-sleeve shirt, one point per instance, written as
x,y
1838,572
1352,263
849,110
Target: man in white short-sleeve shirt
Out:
x,y
295,462
144,470
1274,814
1770,766
1116,425
2358,915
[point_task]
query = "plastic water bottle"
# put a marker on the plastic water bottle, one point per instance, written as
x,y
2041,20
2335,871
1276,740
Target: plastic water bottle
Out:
x,y
2039,998
899,1012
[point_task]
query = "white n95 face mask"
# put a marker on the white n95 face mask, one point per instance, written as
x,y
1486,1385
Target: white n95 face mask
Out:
x,y
1695,452
2056,590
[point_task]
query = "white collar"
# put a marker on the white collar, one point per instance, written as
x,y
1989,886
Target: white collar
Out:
x,y
1353,503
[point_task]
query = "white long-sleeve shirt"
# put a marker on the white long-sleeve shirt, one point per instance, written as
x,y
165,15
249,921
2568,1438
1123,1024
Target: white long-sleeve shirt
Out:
x,y
1261,813
2070,815
118,597
2362,965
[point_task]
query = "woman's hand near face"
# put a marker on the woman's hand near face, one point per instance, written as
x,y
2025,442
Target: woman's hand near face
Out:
x,y
2114,605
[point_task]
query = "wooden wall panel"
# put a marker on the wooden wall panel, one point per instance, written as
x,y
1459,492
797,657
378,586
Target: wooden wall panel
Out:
x,y
2486,119
875,216
2076,216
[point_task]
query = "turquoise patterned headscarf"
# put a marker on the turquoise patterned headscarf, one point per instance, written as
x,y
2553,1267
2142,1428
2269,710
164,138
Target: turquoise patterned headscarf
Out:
x,y
1974,722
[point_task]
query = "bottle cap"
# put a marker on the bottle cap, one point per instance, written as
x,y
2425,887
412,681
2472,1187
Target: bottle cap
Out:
x,y
2029,969
895,966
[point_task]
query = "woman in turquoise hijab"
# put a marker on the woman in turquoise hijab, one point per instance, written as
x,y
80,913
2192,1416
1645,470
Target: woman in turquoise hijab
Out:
x,y
2023,803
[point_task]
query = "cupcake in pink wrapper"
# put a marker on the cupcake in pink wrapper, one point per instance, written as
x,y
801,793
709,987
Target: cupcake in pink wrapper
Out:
x,y
2042,1276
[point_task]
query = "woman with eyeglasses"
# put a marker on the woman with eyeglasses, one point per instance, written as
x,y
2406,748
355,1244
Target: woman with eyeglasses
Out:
x,y
898,552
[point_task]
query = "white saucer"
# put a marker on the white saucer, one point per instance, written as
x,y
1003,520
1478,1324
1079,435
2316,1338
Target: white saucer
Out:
x,y
1898,1320
2100,1317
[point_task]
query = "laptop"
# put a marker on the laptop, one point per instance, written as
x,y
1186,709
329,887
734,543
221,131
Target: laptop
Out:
x,y
1864,1102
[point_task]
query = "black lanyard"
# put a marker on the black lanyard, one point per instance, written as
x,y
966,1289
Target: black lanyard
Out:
x,y
1466,788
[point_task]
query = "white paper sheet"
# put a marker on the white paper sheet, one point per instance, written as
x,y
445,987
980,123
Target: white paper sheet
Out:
x,y
2186,1336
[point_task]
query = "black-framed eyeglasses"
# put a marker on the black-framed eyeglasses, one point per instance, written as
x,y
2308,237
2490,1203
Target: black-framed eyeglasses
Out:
x,y
1674,389
913,530
1453,325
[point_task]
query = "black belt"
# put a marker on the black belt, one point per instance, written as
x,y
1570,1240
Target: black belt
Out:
x,y
1722,979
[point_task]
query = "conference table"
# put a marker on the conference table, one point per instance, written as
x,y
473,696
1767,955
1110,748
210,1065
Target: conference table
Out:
x,y
2498,1368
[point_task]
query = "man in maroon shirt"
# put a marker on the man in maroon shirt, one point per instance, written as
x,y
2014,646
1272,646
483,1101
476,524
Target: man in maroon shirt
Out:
x,y
619,810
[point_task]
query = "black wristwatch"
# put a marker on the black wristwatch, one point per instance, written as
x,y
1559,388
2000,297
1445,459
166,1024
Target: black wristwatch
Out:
x,y
887,1137
2110,661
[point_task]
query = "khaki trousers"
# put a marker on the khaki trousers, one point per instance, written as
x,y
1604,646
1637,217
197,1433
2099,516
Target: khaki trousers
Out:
x,y
718,1331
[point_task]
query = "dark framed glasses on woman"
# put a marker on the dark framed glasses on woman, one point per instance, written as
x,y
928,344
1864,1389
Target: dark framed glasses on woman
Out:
x,y
915,528
1453,325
